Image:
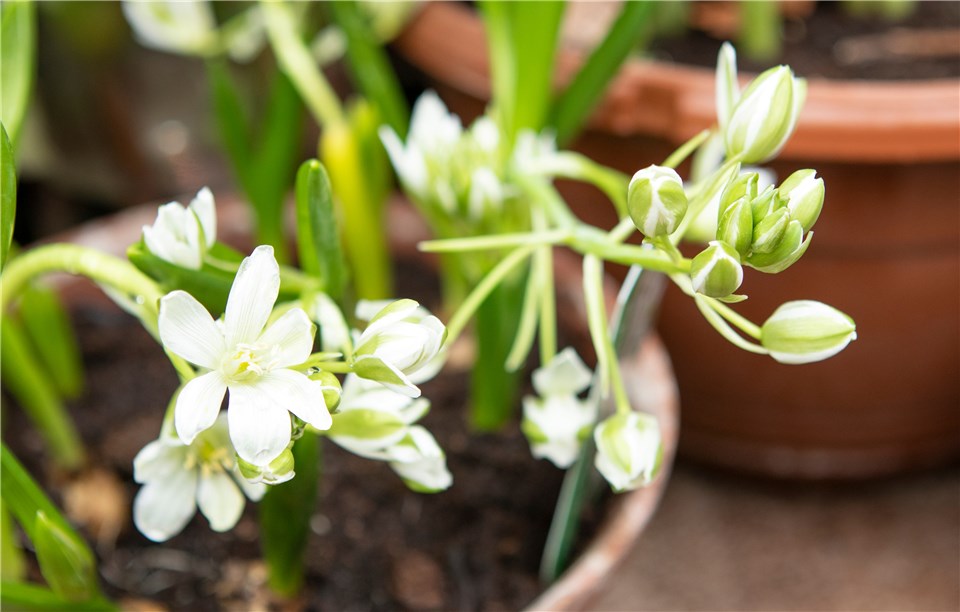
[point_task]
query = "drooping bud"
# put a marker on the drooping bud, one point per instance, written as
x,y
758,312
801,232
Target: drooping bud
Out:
x,y
736,226
765,116
656,201
277,471
768,234
806,331
803,192
716,271
331,388
628,450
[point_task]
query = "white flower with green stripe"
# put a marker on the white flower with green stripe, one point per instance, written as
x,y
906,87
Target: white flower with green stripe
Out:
x,y
251,359
628,450
806,331
182,235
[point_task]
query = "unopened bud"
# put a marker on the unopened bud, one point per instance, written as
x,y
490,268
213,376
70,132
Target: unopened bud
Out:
x,y
277,471
803,192
656,201
806,331
716,271
742,186
792,246
330,386
768,234
736,226
765,116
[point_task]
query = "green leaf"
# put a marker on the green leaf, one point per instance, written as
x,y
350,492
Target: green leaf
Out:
x,y
28,382
209,285
12,563
17,62
318,239
370,66
285,513
574,105
30,597
48,327
66,563
8,195
231,119
534,32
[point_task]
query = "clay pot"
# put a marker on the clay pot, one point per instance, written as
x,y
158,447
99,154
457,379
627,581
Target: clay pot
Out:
x,y
886,251
648,374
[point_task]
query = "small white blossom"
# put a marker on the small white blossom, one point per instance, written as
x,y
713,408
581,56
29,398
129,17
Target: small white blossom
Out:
x,y
400,347
241,353
182,235
628,450
557,422
420,462
177,478
176,26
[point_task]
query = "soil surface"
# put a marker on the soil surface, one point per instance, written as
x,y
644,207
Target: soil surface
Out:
x,y
833,43
374,545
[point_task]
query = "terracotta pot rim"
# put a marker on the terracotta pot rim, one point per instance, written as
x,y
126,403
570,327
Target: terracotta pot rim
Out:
x,y
868,121
629,514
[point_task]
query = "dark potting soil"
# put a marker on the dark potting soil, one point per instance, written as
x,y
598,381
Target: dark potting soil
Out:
x,y
832,43
374,545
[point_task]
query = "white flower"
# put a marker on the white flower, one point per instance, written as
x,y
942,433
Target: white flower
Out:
x,y
238,354
400,347
177,478
557,422
176,26
420,462
183,235
371,417
628,450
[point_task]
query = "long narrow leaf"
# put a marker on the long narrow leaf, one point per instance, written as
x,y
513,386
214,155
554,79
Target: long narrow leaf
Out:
x,y
27,381
370,66
535,27
50,333
318,239
8,195
67,564
573,107
34,598
285,513
13,566
24,498
18,52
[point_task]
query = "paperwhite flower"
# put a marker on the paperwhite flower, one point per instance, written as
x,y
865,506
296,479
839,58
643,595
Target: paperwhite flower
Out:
x,y
177,26
628,450
557,422
400,347
238,354
183,235
177,478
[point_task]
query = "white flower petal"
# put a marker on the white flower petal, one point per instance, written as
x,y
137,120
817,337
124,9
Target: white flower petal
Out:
x,y
220,500
158,460
253,490
163,507
252,297
198,405
566,374
259,424
292,334
188,330
205,210
295,392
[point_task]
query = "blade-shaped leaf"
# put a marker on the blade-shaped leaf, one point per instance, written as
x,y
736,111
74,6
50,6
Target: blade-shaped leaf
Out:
x,y
50,333
35,598
12,564
318,238
67,564
8,195
17,60
24,498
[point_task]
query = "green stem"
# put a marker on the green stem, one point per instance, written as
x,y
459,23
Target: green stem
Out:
x,y
298,64
567,164
496,241
628,254
548,305
747,326
602,342
476,297
676,158
700,200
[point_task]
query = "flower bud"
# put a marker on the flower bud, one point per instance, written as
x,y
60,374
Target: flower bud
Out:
x,y
716,271
656,201
806,331
792,246
742,186
277,471
803,192
330,386
765,115
764,204
736,226
768,234
628,450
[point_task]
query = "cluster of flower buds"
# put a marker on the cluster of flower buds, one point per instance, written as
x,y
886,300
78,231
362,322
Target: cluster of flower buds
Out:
x,y
767,231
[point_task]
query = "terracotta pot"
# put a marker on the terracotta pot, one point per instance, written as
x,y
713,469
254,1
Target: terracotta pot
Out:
x,y
648,373
887,251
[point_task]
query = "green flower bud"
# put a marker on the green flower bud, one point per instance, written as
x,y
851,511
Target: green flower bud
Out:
x,y
330,385
656,201
277,471
716,271
742,186
803,193
628,450
806,331
792,246
765,115
764,204
768,234
736,226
